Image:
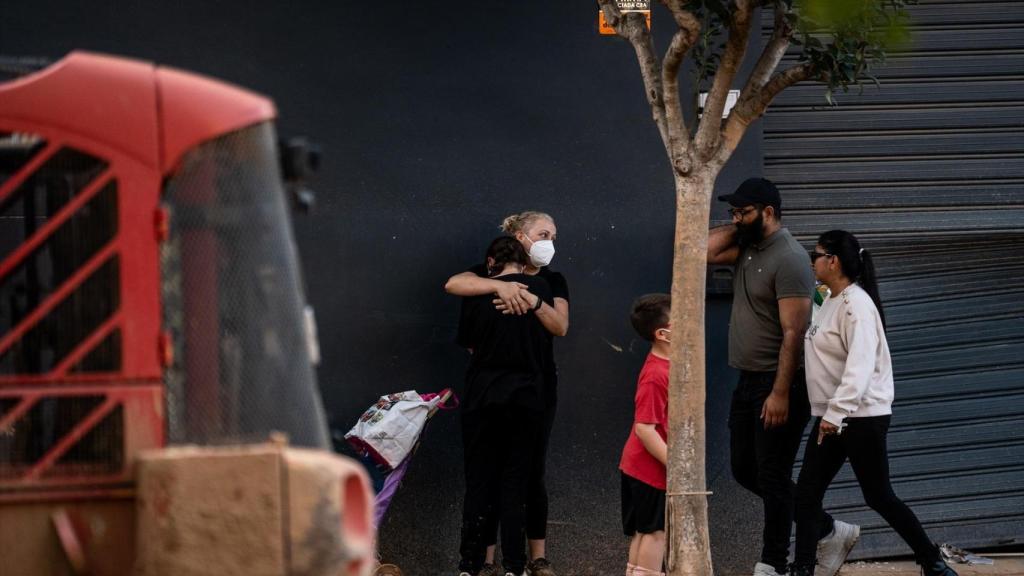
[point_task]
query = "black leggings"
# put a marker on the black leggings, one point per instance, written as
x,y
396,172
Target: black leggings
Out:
x,y
497,442
536,487
863,441
537,490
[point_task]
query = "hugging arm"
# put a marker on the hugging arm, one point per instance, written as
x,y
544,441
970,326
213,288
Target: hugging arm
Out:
x,y
509,293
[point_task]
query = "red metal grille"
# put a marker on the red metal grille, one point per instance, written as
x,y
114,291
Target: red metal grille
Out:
x,y
73,437
15,151
79,380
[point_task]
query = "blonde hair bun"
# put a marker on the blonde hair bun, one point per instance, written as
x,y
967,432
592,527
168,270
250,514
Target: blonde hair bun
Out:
x,y
522,221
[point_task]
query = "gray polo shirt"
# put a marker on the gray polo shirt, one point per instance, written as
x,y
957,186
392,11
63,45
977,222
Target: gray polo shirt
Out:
x,y
777,267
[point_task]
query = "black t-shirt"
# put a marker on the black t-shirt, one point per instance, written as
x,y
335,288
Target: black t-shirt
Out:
x,y
510,352
559,289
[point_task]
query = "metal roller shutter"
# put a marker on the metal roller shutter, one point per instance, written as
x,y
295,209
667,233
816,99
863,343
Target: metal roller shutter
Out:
x,y
928,170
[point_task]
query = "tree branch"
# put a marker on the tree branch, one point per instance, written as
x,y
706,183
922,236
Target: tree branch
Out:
x,y
780,82
736,46
686,36
772,54
633,27
752,108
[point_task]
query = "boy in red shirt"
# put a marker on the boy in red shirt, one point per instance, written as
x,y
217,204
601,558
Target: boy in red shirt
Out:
x,y
644,456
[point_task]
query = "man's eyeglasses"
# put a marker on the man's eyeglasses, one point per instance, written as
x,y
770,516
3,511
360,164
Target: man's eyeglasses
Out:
x,y
741,212
815,255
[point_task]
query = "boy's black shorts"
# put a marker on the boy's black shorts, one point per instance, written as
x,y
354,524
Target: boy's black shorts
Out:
x,y
643,507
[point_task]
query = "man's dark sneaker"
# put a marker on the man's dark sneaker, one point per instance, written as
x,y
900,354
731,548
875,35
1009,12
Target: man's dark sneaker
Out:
x,y
937,568
795,570
539,567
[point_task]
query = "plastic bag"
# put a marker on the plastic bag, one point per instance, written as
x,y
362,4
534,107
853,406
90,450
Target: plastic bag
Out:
x,y
388,430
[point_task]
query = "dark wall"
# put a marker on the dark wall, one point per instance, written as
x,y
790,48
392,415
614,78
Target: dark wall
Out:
x,y
437,120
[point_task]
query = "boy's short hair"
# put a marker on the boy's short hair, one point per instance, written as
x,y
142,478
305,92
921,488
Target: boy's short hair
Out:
x,y
649,313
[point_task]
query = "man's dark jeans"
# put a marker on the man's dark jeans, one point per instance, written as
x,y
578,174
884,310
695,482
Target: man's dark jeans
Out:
x,y
762,460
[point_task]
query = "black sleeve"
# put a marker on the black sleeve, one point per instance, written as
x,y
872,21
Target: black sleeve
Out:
x,y
541,288
559,287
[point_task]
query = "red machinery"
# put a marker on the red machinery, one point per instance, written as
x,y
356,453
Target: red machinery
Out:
x,y
149,293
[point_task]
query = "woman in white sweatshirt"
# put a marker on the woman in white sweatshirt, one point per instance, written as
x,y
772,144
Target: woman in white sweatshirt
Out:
x,y
850,386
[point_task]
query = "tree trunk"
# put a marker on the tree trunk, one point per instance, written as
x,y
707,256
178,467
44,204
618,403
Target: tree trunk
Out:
x,y
689,549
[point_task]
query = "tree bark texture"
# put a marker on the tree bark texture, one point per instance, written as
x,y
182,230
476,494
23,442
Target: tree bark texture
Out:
x,y
686,518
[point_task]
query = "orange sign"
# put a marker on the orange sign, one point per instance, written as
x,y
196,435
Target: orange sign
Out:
x,y
625,6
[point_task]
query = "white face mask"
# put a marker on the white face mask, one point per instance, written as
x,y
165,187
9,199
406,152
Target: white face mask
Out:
x,y
541,253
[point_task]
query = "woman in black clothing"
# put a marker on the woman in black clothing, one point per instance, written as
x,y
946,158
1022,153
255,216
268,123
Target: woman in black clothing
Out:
x,y
502,408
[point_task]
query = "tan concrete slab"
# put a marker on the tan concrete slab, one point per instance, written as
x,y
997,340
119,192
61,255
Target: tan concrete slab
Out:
x,y
254,510
203,511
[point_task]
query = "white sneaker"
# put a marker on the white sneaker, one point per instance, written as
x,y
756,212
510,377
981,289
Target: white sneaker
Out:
x,y
834,548
762,569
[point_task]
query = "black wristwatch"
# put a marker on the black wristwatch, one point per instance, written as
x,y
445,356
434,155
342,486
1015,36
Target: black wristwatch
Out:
x,y
538,304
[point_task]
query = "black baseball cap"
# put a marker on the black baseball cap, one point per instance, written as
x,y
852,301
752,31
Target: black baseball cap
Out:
x,y
754,191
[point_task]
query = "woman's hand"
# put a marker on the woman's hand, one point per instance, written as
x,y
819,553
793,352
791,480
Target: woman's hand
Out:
x,y
528,298
826,429
513,298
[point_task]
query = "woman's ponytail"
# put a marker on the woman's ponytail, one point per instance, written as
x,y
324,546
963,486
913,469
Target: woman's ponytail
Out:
x,y
856,262
868,280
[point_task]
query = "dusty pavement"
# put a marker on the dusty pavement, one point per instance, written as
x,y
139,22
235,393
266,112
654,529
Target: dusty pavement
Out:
x,y
1004,566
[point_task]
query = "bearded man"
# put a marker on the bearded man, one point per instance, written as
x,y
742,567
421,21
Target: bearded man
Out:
x,y
772,289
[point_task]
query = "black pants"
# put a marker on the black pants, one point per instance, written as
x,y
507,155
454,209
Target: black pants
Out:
x,y
762,460
497,446
864,443
536,490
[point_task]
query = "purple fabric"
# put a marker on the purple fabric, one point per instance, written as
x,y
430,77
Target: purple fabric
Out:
x,y
387,492
392,480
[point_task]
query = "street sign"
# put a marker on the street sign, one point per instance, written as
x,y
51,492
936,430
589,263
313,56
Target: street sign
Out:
x,y
625,6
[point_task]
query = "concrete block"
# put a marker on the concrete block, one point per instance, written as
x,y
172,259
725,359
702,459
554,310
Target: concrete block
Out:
x,y
330,514
210,511
260,510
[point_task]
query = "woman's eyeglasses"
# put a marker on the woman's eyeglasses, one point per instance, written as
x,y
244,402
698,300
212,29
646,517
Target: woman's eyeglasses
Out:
x,y
815,255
